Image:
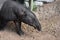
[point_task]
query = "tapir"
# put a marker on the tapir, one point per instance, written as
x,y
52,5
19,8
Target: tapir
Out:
x,y
16,12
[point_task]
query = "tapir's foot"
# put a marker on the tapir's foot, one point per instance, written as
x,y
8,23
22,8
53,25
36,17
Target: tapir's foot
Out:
x,y
1,28
20,33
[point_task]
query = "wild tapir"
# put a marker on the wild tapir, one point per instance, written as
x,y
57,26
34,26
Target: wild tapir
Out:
x,y
14,11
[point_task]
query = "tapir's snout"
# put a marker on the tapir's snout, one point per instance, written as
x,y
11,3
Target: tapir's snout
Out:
x,y
37,24
38,27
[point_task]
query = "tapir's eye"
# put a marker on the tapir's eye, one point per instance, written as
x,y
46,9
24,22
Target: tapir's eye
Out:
x,y
25,13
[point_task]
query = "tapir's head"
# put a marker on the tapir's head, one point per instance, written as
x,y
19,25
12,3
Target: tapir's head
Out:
x,y
31,20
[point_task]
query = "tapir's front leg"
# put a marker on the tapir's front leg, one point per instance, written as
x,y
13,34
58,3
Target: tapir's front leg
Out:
x,y
18,27
3,24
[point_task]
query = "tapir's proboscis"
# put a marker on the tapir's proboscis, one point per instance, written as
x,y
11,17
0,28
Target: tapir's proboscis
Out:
x,y
16,12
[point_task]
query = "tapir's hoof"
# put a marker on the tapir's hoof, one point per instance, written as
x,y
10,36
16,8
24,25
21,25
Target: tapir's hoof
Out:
x,y
1,28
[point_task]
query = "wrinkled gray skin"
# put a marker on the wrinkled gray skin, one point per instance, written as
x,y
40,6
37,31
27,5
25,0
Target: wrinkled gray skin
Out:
x,y
13,11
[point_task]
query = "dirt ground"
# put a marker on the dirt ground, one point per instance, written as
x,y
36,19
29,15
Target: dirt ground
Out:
x,y
49,17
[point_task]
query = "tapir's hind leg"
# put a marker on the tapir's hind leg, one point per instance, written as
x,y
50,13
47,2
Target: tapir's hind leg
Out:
x,y
3,24
18,27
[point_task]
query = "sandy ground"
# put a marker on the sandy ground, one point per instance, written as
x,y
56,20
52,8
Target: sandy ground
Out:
x,y
7,35
49,17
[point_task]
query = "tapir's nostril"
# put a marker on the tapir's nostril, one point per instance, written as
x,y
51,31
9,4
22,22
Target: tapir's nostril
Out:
x,y
39,28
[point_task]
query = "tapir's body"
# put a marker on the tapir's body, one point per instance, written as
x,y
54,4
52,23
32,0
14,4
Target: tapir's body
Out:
x,y
2,2
9,11
13,11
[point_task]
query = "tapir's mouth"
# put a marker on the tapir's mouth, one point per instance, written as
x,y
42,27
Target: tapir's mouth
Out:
x,y
37,27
